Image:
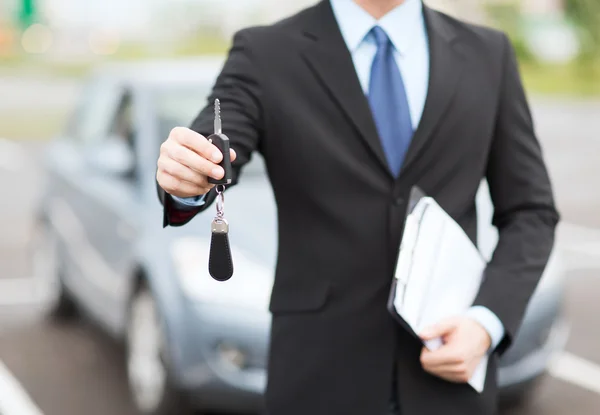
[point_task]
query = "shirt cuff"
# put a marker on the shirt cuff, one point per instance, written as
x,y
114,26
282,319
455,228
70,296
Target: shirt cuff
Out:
x,y
490,322
187,203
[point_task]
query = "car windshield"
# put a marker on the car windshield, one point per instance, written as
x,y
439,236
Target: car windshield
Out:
x,y
179,106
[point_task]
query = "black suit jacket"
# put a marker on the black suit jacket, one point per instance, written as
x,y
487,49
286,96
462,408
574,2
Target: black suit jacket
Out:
x,y
290,91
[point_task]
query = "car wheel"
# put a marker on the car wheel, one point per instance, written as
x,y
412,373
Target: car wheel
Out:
x,y
47,274
150,383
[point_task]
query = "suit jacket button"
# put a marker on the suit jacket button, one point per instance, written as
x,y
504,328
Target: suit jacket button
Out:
x,y
398,201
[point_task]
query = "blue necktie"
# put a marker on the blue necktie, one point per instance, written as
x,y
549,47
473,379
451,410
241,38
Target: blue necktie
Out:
x,y
387,98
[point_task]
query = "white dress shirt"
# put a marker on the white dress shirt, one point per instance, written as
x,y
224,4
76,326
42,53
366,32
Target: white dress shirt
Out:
x,y
405,26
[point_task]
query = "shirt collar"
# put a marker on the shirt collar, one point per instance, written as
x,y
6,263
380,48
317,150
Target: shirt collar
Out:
x,y
401,24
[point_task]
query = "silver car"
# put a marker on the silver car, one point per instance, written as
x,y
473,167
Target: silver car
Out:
x,y
191,342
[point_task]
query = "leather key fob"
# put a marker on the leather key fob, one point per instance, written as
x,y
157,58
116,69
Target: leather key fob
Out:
x,y
220,263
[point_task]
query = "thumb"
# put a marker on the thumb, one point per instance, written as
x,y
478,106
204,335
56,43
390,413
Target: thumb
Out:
x,y
439,330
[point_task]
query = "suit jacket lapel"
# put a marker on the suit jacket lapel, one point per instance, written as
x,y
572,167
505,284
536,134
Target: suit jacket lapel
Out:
x,y
446,65
328,56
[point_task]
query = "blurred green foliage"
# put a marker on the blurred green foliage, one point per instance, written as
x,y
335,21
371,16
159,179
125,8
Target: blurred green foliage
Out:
x,y
570,80
586,16
580,77
507,16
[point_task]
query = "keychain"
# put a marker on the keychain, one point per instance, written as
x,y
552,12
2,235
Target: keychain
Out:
x,y
220,263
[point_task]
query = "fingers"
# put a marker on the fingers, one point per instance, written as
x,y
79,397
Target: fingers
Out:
x,y
186,161
457,359
180,188
444,356
198,144
448,365
182,172
439,330
451,362
179,159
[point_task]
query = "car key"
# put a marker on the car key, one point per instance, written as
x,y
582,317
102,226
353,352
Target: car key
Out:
x,y
221,141
220,263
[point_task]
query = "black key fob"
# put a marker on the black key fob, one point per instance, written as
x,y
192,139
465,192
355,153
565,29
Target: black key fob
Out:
x,y
222,143
220,264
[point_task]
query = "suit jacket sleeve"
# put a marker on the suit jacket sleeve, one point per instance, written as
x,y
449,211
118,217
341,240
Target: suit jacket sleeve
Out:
x,y
237,87
525,214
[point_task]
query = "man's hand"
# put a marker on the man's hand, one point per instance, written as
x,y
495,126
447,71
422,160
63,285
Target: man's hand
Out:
x,y
186,161
466,342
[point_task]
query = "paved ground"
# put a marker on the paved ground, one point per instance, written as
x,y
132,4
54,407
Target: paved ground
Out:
x,y
71,369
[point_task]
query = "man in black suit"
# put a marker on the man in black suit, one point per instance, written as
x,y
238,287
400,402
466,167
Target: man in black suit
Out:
x,y
352,104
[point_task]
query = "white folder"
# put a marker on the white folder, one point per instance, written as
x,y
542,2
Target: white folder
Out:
x,y
438,274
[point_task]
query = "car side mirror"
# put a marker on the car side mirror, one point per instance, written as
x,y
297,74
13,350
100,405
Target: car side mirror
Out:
x,y
113,156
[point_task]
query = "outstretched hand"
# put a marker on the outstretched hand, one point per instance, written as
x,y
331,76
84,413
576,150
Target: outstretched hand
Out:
x,y
187,159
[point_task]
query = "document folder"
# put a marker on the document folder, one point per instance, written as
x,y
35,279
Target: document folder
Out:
x,y
438,273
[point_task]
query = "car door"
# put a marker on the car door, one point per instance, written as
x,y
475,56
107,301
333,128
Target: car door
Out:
x,y
96,199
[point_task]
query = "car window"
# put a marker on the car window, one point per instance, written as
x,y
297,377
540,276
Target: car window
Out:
x,y
122,124
122,128
92,118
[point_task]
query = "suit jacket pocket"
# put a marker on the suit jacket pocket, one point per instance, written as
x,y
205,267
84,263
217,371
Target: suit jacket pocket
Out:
x,y
296,295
